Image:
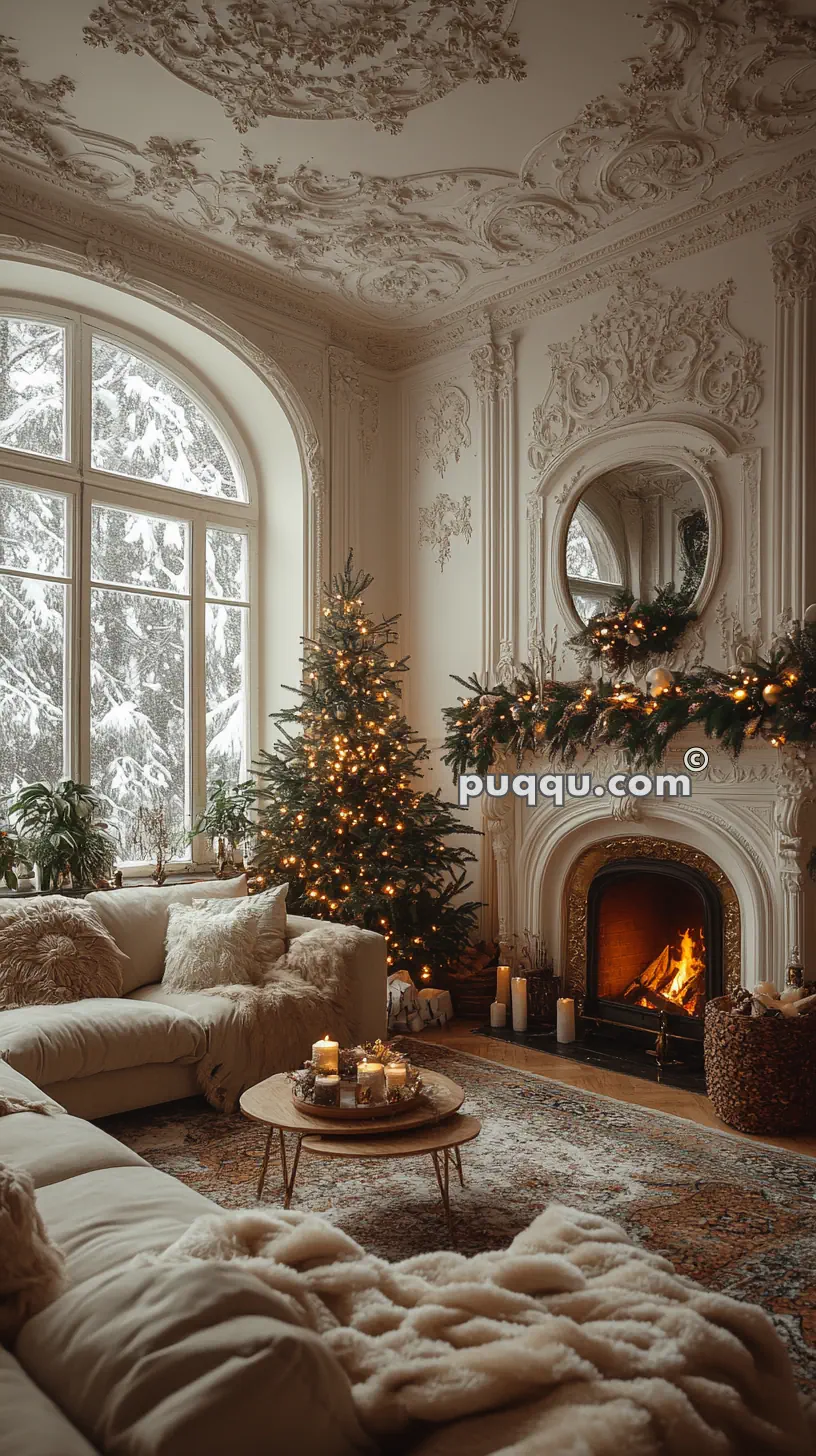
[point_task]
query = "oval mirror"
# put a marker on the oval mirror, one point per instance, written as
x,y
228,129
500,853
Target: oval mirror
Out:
x,y
636,528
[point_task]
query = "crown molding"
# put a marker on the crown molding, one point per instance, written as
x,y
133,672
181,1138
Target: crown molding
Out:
x,y
780,196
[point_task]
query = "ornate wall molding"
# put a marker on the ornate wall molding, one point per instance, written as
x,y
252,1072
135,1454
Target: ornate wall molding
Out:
x,y
375,63
441,431
493,370
793,263
443,519
650,346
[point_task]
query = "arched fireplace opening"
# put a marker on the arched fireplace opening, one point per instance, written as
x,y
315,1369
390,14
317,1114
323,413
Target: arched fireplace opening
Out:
x,y
654,944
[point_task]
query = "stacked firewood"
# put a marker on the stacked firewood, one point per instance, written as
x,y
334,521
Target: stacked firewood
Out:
x,y
472,983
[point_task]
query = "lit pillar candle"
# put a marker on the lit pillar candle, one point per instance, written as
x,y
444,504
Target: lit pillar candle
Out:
x,y
396,1076
326,1055
327,1089
371,1080
498,1014
518,987
565,1019
503,984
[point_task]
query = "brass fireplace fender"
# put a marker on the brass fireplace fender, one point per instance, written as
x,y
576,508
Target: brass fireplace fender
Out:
x,y
643,847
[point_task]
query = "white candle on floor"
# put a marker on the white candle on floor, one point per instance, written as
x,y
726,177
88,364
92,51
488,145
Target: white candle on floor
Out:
x,y
518,988
326,1055
503,985
565,1019
498,1014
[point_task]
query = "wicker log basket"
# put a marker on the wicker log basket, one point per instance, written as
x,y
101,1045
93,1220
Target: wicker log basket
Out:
x,y
760,1070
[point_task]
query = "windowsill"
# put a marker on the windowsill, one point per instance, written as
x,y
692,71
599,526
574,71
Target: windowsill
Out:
x,y
184,877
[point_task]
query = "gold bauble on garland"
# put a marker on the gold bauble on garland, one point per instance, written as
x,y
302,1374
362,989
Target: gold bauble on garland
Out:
x,y
772,692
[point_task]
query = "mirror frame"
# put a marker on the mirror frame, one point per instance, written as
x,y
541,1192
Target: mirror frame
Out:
x,y
702,476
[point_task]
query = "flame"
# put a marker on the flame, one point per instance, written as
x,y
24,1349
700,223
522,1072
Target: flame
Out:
x,y
679,978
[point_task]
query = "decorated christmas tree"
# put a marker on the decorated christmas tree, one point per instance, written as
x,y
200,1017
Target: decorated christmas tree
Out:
x,y
344,816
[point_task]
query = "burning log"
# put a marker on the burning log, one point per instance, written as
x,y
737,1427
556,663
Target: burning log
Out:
x,y
641,995
672,983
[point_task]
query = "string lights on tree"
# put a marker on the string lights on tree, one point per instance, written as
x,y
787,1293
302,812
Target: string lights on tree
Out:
x,y
344,817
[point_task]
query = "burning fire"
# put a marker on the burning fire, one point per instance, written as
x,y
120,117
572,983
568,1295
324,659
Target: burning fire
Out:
x,y
673,982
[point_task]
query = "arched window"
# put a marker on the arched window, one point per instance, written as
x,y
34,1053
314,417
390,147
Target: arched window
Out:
x,y
126,542
594,569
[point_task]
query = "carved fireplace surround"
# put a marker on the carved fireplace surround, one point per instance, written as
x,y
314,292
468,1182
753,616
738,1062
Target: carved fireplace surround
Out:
x,y
749,825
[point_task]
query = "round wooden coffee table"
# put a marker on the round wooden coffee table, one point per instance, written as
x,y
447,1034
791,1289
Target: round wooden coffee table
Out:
x,y
271,1102
442,1140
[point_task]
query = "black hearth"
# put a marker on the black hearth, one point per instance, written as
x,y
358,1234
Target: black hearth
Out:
x,y
654,946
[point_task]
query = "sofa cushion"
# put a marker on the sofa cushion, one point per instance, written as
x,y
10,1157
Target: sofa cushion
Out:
x,y
58,1043
101,1220
53,1148
137,920
203,950
31,1424
55,950
204,1359
14,1084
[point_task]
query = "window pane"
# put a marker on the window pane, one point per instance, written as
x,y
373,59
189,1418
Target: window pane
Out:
x,y
138,550
32,658
145,425
226,688
138,706
227,565
32,530
32,387
580,556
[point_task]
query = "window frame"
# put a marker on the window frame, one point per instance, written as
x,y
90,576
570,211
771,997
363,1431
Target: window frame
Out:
x,y
84,486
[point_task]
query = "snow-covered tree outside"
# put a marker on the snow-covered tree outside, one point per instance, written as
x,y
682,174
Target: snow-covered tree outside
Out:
x,y
32,386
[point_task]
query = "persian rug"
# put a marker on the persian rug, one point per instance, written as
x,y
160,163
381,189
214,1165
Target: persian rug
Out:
x,y
736,1216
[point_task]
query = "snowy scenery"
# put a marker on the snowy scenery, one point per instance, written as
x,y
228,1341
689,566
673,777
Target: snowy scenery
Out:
x,y
143,610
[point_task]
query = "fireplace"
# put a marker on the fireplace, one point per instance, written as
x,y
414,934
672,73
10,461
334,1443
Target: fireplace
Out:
x,y
654,944
652,933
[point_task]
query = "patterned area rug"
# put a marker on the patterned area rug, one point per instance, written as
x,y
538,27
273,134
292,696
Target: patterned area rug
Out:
x,y
736,1217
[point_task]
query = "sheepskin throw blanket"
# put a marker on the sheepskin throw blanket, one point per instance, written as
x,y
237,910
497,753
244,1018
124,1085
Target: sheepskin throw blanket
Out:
x,y
586,1344
32,1269
55,950
275,1024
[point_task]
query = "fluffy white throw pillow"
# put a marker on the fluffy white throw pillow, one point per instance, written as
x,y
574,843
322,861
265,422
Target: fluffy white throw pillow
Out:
x,y
32,1269
266,913
54,950
203,950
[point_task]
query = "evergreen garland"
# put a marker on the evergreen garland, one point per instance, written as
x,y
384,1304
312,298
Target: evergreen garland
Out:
x,y
344,817
773,697
631,631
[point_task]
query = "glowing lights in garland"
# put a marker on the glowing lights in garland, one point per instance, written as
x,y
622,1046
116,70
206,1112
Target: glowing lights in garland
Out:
x,y
630,631
775,698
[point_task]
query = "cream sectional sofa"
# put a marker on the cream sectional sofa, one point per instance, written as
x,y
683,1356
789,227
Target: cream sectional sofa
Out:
x,y
105,1055
135,1359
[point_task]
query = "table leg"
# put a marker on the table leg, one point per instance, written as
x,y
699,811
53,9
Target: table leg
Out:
x,y
290,1186
283,1158
457,1153
265,1163
444,1186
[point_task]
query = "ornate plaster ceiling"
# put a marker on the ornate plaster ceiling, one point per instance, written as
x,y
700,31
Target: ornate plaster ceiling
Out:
x,y
399,159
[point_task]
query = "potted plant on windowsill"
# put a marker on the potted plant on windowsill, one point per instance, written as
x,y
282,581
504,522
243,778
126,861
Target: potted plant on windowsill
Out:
x,y
227,823
60,832
158,838
12,856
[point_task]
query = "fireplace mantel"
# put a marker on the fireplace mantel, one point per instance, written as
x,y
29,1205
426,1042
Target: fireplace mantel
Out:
x,y
755,817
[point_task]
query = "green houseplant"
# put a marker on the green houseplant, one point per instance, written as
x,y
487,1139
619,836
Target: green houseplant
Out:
x,y
227,820
62,833
12,854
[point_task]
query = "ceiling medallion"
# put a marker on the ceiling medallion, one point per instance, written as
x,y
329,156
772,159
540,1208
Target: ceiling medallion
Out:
x,y
320,60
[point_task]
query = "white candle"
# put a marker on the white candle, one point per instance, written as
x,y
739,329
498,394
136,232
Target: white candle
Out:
x,y
327,1090
371,1079
518,989
326,1055
396,1076
498,1014
503,984
565,1019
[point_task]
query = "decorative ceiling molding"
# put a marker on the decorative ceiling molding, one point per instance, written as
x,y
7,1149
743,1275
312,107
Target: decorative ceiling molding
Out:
x,y
442,431
719,80
311,60
439,522
793,260
650,346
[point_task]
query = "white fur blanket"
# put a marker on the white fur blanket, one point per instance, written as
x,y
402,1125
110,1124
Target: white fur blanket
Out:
x,y
586,1343
272,1026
